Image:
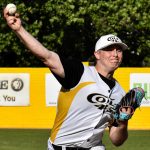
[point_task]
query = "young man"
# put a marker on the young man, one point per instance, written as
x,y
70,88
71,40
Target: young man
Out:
x,y
88,96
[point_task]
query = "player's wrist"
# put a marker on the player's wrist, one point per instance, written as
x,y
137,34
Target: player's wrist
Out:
x,y
118,123
122,122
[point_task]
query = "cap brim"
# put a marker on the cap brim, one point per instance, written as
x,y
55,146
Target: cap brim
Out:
x,y
123,46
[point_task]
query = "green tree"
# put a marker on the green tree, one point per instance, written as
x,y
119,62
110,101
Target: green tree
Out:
x,y
71,28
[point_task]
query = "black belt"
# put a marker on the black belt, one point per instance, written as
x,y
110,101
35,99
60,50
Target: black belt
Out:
x,y
56,147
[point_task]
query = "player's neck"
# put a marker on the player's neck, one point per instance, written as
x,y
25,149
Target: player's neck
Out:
x,y
105,73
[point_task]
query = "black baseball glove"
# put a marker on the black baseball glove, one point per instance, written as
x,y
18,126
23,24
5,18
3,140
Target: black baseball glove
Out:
x,y
133,100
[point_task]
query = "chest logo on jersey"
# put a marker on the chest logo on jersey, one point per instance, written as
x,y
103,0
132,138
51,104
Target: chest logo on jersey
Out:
x,y
101,102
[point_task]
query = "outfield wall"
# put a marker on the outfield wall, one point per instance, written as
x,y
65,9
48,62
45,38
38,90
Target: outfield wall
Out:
x,y
35,113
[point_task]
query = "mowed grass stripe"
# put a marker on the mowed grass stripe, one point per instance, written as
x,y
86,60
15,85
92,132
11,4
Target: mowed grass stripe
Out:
x,y
36,139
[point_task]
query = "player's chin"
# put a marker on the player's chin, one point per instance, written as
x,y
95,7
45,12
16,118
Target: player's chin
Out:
x,y
115,65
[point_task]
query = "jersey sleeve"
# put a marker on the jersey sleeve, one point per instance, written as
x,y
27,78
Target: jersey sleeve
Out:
x,y
73,72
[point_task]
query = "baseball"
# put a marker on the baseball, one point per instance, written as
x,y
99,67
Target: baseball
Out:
x,y
11,8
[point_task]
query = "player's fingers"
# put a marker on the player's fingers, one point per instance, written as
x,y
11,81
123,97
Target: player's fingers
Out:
x,y
5,12
16,15
130,110
123,109
11,21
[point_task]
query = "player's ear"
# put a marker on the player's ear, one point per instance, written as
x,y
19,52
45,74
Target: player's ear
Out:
x,y
97,54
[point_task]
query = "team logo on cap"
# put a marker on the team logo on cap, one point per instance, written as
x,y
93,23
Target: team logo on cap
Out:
x,y
113,39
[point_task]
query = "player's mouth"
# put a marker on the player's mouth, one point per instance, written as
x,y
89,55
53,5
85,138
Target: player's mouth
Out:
x,y
114,61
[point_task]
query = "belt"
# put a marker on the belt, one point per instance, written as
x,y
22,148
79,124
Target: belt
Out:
x,y
56,147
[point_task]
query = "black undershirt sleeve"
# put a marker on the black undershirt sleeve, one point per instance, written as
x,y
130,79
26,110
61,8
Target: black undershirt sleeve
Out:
x,y
73,72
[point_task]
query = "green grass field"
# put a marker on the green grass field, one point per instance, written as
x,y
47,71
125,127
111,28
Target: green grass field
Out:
x,y
20,139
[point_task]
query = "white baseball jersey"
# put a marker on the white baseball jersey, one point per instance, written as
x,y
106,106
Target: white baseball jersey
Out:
x,y
85,111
